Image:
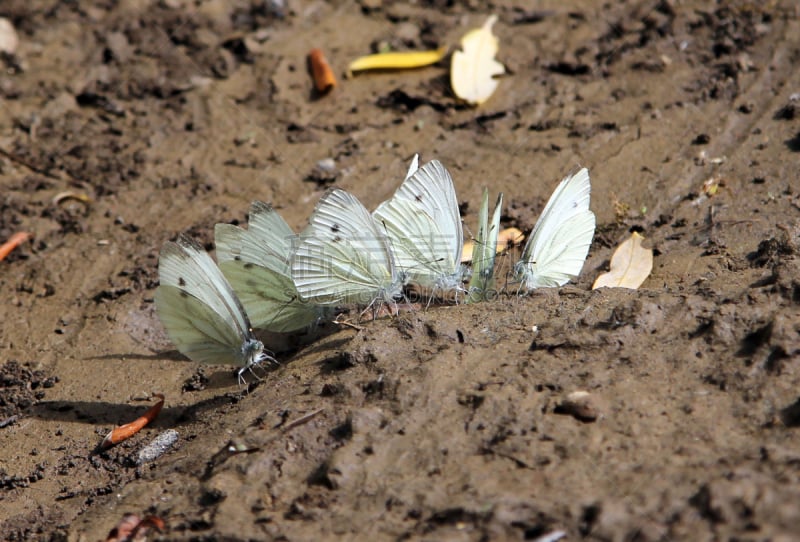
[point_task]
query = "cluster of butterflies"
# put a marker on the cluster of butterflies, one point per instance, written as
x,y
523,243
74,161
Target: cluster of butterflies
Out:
x,y
269,278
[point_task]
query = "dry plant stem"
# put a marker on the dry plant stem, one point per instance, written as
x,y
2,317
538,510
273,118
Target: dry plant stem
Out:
x,y
16,240
348,324
124,432
130,527
303,419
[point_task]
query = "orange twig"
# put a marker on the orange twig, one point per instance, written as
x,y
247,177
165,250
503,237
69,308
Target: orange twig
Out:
x,y
16,240
324,79
124,432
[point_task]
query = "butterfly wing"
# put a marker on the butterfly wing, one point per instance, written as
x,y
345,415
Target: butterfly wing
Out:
x,y
560,241
228,242
413,167
416,240
268,239
256,263
431,188
342,257
195,329
423,221
270,298
198,308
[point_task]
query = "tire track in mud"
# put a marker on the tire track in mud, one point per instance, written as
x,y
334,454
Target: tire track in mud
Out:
x,y
764,93
673,131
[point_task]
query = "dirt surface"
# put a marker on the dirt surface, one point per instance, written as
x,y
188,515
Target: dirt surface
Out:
x,y
443,424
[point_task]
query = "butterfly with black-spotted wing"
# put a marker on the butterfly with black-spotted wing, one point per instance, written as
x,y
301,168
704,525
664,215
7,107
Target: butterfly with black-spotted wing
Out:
x,y
256,263
423,222
199,310
343,256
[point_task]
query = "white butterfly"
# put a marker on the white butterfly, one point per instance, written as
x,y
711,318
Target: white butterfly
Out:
x,y
343,256
560,241
256,263
424,224
200,312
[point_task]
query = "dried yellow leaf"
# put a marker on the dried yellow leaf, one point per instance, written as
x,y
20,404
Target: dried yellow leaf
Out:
x,y
711,185
631,264
506,238
398,60
473,69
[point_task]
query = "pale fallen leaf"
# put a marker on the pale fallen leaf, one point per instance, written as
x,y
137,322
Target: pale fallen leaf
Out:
x,y
631,264
507,238
398,60
473,69
8,37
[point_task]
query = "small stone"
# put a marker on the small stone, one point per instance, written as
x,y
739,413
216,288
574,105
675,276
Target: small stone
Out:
x,y
369,6
407,32
327,165
324,173
580,405
119,47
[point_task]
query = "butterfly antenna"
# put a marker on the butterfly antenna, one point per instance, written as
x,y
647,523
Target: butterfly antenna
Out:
x,y
507,273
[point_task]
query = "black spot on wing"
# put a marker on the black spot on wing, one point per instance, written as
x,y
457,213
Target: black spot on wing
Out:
x,y
418,197
183,294
335,228
337,239
248,265
181,282
237,258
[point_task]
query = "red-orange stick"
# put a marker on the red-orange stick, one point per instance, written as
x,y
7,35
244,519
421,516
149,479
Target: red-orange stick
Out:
x,y
324,79
16,240
146,524
124,432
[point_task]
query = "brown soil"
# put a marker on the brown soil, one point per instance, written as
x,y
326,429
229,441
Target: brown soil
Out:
x,y
441,424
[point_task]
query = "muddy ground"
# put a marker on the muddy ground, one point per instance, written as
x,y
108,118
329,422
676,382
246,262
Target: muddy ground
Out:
x,y
443,424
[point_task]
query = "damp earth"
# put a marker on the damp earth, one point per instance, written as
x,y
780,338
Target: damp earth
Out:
x,y
670,412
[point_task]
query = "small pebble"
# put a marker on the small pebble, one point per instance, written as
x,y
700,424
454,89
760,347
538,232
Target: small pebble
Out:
x,y
327,165
580,405
555,536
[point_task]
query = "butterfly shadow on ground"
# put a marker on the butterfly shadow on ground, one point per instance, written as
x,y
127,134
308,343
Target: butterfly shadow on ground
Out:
x,y
223,377
103,413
